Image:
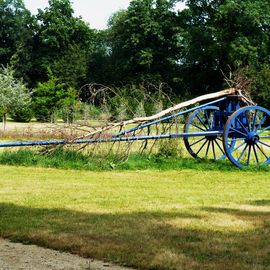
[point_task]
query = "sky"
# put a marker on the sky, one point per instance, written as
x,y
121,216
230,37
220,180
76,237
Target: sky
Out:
x,y
95,12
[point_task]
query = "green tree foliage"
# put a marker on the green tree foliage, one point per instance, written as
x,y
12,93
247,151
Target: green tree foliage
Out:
x,y
72,66
144,41
51,96
22,114
14,95
190,50
16,33
260,83
243,30
62,42
100,66
220,36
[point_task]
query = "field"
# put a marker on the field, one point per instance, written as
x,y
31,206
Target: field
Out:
x,y
152,212
154,154
149,219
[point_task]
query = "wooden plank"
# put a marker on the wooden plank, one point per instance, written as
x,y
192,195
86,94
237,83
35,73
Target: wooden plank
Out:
x,y
216,95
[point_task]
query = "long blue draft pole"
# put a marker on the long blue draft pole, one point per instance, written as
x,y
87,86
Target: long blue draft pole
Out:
x,y
122,139
168,117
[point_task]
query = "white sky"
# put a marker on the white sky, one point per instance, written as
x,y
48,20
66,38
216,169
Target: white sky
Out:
x,y
96,12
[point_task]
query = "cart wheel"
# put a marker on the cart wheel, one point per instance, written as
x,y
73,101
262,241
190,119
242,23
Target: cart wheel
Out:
x,y
204,146
246,138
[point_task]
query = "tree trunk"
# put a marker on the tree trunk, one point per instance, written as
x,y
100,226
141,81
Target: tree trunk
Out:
x,y
4,121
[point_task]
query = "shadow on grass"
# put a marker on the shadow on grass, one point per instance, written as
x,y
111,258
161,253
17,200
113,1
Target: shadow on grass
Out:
x,y
146,240
260,203
246,214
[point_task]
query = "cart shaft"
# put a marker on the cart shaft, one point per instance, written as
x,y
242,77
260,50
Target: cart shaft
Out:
x,y
104,140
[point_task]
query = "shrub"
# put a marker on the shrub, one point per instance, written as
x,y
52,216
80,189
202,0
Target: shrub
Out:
x,y
14,95
52,95
24,114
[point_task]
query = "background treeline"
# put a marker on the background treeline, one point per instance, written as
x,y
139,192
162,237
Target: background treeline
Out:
x,y
191,51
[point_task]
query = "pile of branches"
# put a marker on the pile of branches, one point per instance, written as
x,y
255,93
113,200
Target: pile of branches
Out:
x,y
135,104
100,96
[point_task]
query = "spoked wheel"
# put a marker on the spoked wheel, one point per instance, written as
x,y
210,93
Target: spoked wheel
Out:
x,y
246,137
203,120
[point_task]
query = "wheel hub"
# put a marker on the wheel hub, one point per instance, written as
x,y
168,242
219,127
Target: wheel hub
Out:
x,y
252,138
211,138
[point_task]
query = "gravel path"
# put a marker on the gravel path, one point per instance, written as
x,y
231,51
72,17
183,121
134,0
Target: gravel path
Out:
x,y
21,257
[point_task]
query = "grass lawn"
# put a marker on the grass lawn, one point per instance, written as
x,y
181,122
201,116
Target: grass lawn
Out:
x,y
149,219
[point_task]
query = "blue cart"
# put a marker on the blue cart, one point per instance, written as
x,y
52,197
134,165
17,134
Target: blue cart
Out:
x,y
219,129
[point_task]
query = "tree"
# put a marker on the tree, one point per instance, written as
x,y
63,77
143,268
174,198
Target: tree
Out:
x,y
62,43
220,37
100,67
144,41
260,83
71,66
16,36
13,93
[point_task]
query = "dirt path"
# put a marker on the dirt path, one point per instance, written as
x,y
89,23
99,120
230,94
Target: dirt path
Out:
x,y
21,257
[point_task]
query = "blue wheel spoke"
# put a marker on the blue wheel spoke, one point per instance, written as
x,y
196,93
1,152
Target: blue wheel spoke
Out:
x,y
247,120
219,147
265,137
207,150
242,125
249,152
254,120
242,153
260,124
239,132
264,130
239,146
197,115
213,148
256,155
263,143
198,141
198,127
201,148
261,151
207,119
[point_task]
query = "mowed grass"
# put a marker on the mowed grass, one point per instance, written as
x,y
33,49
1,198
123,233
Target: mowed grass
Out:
x,y
149,219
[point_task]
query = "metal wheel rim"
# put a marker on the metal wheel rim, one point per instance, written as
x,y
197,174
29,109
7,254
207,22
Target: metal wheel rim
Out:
x,y
202,147
251,137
